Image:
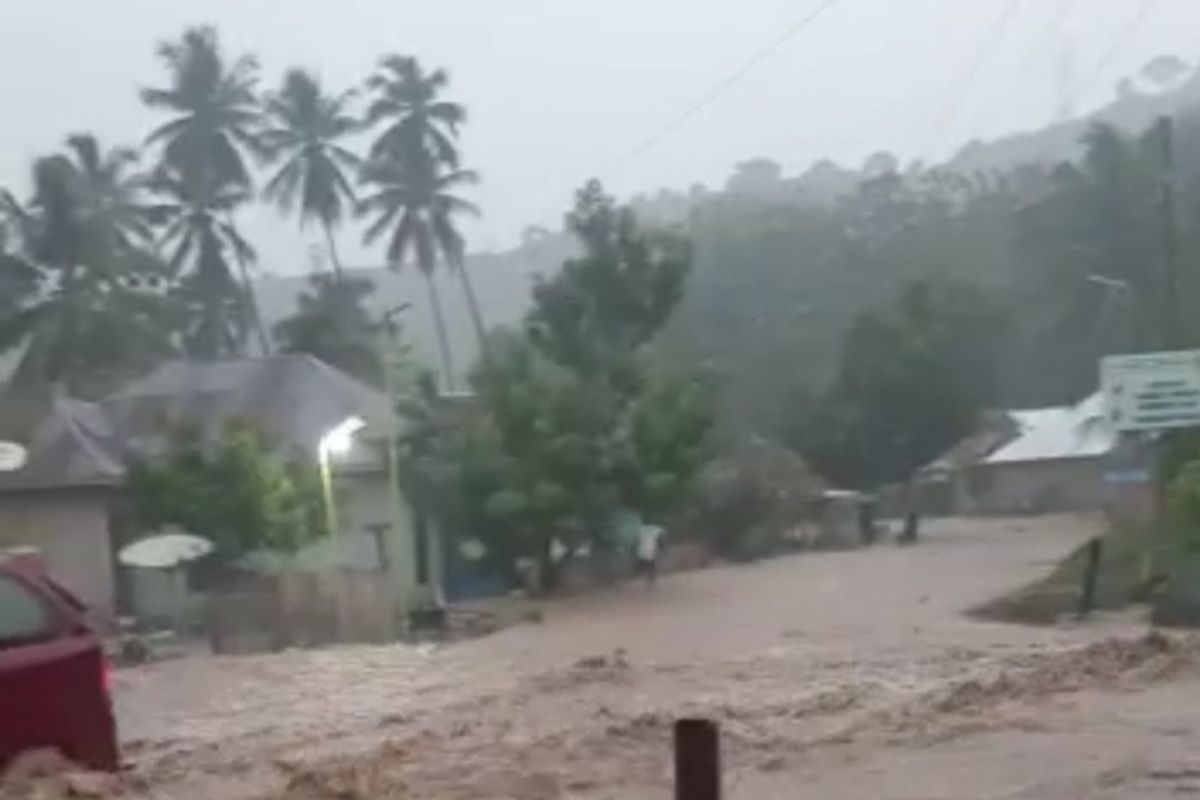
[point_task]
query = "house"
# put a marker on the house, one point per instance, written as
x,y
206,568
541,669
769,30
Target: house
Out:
x,y
936,489
61,501
65,499
1056,461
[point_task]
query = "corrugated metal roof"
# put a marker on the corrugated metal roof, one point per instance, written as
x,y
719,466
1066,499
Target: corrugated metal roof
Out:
x,y
69,442
1047,434
294,399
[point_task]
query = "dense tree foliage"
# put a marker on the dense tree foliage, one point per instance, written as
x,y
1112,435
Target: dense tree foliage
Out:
x,y
331,323
574,421
1073,257
233,492
913,379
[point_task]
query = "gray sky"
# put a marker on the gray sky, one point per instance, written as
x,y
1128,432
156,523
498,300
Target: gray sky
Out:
x,y
560,90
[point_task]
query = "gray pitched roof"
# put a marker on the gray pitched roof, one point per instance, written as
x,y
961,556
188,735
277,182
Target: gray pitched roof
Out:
x,y
69,442
293,399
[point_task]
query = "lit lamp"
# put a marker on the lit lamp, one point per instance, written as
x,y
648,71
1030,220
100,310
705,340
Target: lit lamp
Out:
x,y
336,441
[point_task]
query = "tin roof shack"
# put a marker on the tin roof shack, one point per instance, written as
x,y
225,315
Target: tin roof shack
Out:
x,y
1057,462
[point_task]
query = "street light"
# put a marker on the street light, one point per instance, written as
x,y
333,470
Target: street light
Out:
x,y
336,441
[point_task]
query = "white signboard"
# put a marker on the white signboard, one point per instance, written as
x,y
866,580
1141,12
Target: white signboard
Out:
x,y
1152,391
12,456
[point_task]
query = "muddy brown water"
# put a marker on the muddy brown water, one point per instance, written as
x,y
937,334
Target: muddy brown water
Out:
x,y
848,674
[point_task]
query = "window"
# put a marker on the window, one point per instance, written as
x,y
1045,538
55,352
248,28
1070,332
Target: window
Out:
x,y
23,616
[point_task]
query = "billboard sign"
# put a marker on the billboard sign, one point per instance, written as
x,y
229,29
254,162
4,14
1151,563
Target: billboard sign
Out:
x,y
1152,391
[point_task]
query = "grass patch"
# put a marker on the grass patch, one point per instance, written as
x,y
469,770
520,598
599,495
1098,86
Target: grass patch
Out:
x,y
1121,582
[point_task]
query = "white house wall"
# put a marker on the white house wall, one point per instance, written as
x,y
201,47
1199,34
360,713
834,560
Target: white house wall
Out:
x,y
70,529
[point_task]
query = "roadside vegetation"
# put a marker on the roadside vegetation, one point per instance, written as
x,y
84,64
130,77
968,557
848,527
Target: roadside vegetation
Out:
x,y
1122,581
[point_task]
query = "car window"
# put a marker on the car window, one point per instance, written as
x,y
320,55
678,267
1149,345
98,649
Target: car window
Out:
x,y
23,615
61,593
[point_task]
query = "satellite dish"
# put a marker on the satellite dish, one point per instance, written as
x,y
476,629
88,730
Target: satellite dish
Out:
x,y
165,551
12,456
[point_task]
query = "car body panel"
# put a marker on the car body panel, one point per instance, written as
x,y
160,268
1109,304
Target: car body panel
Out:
x,y
53,688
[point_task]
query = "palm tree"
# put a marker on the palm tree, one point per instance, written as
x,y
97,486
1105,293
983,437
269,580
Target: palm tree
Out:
x,y
421,132
71,281
115,192
217,114
306,126
204,145
197,239
415,206
406,99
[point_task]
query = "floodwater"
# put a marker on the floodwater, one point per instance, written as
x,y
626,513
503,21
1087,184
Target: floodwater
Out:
x,y
832,675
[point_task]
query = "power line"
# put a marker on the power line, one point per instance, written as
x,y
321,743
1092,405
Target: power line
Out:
x,y
958,97
1125,35
1061,14
710,96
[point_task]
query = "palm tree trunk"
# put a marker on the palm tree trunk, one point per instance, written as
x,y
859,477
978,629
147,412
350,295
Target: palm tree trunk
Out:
x,y
334,258
214,339
439,324
464,276
255,319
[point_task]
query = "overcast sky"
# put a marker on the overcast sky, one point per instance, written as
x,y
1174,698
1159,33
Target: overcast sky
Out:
x,y
559,90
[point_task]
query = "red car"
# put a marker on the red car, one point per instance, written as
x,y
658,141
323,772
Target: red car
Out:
x,y
54,681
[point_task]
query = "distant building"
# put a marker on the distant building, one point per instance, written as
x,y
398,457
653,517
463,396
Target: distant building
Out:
x,y
1049,459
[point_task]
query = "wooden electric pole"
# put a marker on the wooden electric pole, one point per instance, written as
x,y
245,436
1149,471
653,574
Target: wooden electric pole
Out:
x,y
1171,332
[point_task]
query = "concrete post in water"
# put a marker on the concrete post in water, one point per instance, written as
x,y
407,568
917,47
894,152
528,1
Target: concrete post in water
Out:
x,y
1091,572
697,760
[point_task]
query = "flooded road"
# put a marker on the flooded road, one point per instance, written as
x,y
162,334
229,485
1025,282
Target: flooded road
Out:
x,y
855,672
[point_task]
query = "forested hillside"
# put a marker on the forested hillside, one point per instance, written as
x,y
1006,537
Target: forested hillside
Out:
x,y
1070,253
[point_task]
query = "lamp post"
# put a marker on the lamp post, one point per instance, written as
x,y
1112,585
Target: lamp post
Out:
x,y
388,344
336,441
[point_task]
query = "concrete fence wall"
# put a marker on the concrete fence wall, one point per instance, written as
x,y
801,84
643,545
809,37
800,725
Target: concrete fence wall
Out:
x,y
302,609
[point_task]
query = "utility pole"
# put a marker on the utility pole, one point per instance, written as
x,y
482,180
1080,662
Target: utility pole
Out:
x,y
1171,332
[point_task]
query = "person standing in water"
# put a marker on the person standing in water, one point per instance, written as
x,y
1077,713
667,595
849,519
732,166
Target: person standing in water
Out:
x,y
649,538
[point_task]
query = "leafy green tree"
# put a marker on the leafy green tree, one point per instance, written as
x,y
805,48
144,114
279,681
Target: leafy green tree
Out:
x,y
612,299
331,323
307,130
216,122
415,207
234,492
83,299
913,380
574,422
